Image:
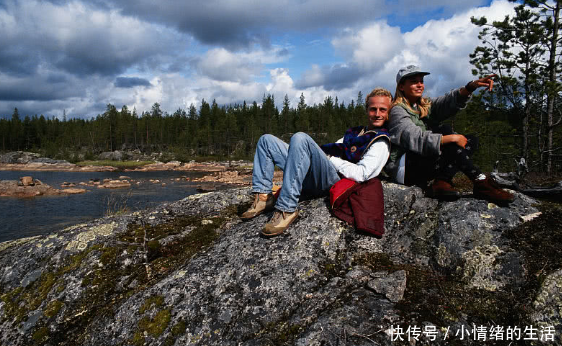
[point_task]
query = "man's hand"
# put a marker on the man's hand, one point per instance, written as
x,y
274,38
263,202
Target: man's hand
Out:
x,y
459,140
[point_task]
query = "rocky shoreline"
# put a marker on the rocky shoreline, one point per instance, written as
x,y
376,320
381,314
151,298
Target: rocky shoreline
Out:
x,y
27,161
157,166
220,175
28,187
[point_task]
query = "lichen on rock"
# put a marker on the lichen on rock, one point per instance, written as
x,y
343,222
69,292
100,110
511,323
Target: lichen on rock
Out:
x,y
480,265
80,242
547,305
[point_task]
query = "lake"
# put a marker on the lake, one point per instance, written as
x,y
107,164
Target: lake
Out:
x,y
26,217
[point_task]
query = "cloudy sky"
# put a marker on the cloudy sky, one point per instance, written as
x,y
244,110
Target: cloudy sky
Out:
x,y
77,56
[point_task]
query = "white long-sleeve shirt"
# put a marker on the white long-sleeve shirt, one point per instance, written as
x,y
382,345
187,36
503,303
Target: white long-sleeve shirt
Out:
x,y
370,165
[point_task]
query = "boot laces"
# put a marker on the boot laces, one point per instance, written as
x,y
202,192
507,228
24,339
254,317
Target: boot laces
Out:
x,y
494,183
256,200
278,216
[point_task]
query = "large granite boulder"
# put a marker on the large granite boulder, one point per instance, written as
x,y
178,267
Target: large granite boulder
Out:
x,y
24,157
111,155
18,157
192,273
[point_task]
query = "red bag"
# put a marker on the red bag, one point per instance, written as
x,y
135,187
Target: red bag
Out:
x,y
338,190
359,204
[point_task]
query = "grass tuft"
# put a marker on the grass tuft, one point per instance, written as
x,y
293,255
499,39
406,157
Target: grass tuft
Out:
x,y
116,164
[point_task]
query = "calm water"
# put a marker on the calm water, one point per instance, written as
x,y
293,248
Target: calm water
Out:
x,y
25,217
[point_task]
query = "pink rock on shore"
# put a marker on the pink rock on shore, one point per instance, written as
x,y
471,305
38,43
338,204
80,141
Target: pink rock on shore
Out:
x,y
28,187
114,184
73,191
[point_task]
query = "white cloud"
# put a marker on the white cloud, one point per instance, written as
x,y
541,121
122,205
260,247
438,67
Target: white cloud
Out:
x,y
313,76
371,46
178,91
281,82
76,37
223,65
441,47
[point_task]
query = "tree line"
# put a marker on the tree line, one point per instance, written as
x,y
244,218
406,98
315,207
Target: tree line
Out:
x,y
209,131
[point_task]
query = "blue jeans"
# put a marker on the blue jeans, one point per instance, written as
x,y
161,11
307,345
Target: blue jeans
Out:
x,y
305,169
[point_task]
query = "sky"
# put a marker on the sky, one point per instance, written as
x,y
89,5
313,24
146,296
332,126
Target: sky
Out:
x,y
76,57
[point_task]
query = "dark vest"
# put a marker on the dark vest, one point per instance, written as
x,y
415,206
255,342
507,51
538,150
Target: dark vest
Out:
x,y
356,141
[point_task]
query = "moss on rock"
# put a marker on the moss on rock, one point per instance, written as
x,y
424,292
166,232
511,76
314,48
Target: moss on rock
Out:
x,y
154,301
41,335
153,327
53,308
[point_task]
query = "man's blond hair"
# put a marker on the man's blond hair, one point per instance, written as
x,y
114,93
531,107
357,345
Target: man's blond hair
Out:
x,y
377,92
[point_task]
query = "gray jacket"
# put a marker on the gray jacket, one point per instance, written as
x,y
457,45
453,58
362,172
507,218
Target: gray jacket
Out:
x,y
410,133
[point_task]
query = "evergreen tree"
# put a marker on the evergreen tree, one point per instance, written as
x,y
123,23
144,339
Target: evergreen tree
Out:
x,y
512,49
285,114
269,114
16,131
550,19
111,115
204,135
360,99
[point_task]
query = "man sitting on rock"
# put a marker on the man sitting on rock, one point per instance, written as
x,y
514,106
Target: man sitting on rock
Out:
x,y
311,170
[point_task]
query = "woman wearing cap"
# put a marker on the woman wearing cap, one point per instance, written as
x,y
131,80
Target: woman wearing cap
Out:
x,y
425,150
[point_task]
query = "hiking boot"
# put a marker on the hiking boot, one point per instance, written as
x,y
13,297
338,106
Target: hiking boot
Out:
x,y
279,222
489,190
262,203
443,190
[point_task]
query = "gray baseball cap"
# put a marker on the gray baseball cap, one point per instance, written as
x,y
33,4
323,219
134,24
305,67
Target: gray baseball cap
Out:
x,y
409,70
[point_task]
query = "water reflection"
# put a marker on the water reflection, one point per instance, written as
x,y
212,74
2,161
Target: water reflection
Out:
x,y
44,214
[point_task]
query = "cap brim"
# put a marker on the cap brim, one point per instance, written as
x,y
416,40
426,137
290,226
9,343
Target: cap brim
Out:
x,y
413,74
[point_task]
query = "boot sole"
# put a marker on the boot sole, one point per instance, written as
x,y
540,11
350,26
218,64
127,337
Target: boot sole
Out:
x,y
501,202
258,214
251,217
445,197
270,235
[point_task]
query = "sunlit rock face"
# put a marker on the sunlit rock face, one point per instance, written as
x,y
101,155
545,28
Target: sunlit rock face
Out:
x,y
191,272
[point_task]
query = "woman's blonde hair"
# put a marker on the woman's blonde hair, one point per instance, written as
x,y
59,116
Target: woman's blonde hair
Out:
x,y
422,107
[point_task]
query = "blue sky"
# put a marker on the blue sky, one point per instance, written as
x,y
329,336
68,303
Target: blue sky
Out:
x,y
78,56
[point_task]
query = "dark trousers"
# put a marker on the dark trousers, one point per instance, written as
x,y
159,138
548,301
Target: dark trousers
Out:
x,y
422,169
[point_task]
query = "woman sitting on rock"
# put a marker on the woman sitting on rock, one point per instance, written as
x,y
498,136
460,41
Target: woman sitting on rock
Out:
x,y
311,170
425,150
